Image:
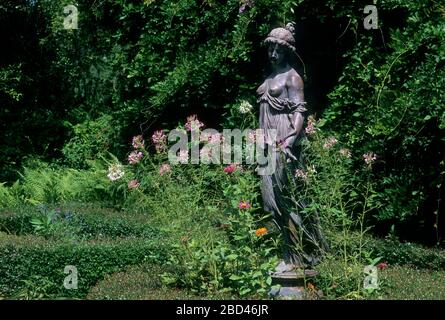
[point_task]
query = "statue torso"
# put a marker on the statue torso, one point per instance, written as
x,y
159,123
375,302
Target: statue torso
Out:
x,y
275,84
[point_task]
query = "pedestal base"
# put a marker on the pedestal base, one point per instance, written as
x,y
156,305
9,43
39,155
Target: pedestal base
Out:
x,y
292,284
288,293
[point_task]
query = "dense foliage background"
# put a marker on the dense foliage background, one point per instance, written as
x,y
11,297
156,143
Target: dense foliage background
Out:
x,y
135,66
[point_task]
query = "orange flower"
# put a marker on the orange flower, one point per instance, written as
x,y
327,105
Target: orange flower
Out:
x,y
310,286
261,231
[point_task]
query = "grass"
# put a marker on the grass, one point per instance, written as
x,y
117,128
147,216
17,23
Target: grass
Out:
x,y
136,283
141,282
144,283
409,283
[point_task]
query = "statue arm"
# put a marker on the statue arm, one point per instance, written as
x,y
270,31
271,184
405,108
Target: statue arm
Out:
x,y
296,95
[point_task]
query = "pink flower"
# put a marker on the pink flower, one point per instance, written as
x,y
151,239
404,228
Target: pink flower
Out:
x,y
164,169
255,136
138,142
159,139
310,129
244,205
330,142
205,154
299,173
230,168
369,158
204,137
133,184
160,148
193,124
213,138
345,153
135,157
382,265
216,138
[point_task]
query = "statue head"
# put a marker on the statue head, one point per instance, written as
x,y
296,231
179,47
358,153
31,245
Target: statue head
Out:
x,y
283,36
280,43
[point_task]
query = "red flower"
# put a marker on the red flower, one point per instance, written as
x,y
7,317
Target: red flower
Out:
x,y
382,265
230,168
244,205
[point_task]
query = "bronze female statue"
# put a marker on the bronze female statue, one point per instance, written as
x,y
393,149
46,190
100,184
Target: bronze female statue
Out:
x,y
282,105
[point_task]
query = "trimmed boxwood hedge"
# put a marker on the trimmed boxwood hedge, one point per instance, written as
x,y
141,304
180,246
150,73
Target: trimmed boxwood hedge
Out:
x,y
29,260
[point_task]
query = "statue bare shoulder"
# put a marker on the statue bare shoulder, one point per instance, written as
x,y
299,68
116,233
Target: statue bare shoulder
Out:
x,y
295,86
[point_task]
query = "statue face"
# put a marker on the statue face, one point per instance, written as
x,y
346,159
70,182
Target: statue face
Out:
x,y
277,53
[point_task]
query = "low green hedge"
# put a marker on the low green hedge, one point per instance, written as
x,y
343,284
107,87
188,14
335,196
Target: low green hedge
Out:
x,y
82,222
33,266
15,222
395,252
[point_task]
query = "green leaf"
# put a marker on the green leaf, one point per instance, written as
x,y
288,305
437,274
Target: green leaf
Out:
x,y
376,260
245,291
234,277
232,256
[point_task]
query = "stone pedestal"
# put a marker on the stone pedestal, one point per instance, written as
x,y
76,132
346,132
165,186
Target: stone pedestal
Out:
x,y
292,284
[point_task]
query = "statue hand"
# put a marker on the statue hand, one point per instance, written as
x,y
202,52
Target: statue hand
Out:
x,y
286,147
289,154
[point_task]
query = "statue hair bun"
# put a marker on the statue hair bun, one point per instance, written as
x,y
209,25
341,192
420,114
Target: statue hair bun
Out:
x,y
290,27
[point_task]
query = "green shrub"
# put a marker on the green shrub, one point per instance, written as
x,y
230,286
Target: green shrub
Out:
x,y
395,252
92,139
379,102
186,201
28,258
338,281
240,260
